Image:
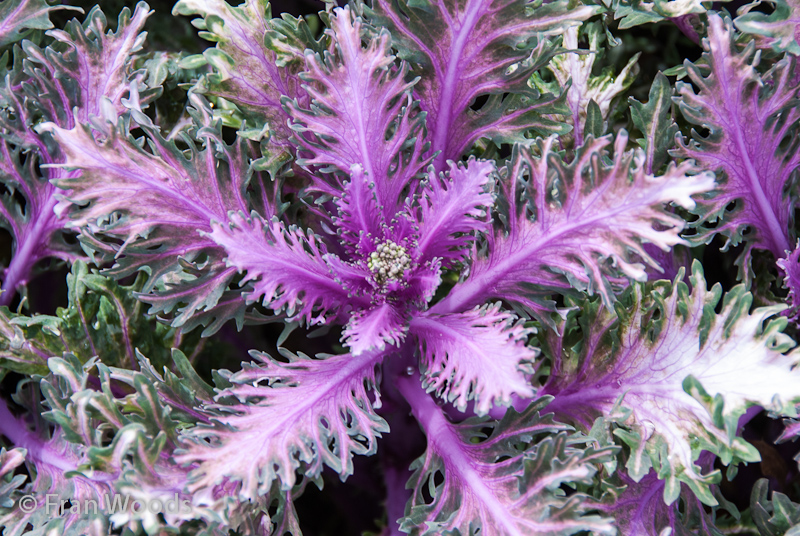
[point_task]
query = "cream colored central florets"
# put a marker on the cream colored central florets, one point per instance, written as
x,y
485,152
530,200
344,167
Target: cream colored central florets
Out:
x,y
389,262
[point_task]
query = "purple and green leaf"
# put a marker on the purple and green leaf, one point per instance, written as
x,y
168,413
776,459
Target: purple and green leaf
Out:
x,y
279,418
254,68
465,50
20,17
504,482
677,365
562,231
361,114
88,70
158,201
752,140
480,355
779,30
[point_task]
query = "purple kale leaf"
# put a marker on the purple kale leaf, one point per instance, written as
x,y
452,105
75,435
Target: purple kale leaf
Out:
x,y
65,83
751,143
677,366
638,508
361,113
561,231
50,458
156,201
255,65
791,268
464,355
465,50
278,418
504,481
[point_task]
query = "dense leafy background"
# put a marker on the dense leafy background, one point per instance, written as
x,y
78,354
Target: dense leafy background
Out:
x,y
354,507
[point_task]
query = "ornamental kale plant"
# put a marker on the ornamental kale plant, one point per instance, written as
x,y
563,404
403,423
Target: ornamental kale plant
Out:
x,y
429,267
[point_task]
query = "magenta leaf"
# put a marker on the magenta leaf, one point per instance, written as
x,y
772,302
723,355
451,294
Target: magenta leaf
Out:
x,y
88,68
752,122
791,272
278,418
480,355
504,482
382,282
465,50
374,328
360,216
454,210
290,266
387,262
361,113
158,202
567,231
37,232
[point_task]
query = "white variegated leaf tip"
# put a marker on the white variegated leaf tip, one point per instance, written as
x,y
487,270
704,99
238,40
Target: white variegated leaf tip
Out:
x,y
671,380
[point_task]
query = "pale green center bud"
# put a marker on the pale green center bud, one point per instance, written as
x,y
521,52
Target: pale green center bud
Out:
x,y
388,262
